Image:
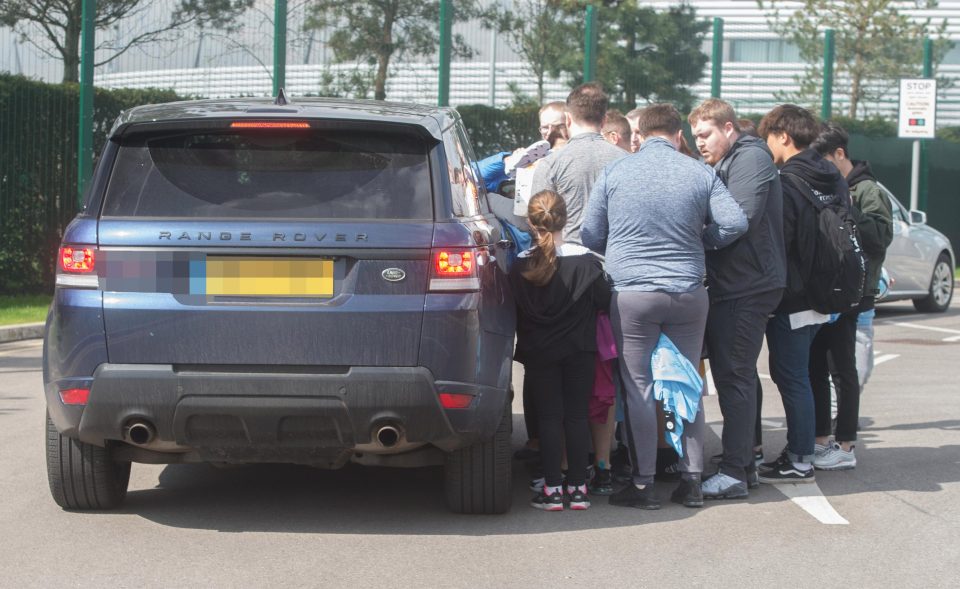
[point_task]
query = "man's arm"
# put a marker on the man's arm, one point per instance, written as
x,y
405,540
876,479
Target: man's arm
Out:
x,y
727,220
543,177
750,176
595,228
876,219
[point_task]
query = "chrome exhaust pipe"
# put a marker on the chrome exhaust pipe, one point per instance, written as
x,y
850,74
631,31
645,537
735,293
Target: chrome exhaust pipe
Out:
x,y
388,436
140,432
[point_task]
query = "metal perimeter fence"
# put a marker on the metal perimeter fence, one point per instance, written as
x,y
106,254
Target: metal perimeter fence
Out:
x,y
495,60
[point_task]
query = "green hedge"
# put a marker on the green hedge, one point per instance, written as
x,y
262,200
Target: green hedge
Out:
x,y
493,130
38,170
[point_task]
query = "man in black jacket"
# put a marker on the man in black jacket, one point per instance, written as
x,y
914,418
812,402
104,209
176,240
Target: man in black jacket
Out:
x,y
789,130
838,340
745,281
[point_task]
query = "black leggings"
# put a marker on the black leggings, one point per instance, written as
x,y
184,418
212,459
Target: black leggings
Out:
x,y
833,353
530,410
562,394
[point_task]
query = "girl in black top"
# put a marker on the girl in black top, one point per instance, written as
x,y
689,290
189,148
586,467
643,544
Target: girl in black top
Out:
x,y
559,288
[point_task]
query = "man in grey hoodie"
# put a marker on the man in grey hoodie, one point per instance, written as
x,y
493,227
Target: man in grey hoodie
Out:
x,y
745,281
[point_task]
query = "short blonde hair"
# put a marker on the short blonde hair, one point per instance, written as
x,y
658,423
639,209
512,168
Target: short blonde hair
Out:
x,y
716,111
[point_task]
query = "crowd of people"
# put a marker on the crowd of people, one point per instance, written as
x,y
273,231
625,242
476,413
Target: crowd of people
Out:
x,y
640,243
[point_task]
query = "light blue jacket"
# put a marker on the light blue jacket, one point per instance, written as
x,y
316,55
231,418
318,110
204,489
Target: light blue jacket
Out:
x,y
678,387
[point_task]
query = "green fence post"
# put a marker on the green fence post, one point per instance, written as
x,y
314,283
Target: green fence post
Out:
x,y
922,185
590,45
279,46
829,53
85,131
716,58
446,44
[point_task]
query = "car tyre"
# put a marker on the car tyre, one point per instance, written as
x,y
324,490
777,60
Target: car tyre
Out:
x,y
941,288
478,477
83,476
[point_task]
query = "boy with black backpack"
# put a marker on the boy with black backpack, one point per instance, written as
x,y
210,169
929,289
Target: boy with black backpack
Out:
x,y
824,267
837,341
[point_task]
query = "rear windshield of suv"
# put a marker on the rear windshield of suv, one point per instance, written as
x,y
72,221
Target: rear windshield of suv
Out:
x,y
324,174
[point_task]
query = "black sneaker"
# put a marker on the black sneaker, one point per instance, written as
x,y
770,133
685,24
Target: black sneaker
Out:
x,y
757,457
602,483
670,473
765,466
782,470
622,474
631,496
577,498
553,502
688,492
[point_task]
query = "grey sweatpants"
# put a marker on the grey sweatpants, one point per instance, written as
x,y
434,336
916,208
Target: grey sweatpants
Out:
x,y
638,320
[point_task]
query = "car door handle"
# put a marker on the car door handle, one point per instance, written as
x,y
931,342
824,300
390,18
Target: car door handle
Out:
x,y
505,244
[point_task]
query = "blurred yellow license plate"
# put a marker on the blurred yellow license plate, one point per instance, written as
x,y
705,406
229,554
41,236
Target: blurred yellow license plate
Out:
x,y
269,277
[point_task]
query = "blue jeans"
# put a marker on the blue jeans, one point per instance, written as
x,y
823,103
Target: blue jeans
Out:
x,y
790,370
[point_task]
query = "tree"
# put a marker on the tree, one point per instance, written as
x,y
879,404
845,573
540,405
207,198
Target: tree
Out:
x,y
644,53
61,22
875,44
380,31
539,31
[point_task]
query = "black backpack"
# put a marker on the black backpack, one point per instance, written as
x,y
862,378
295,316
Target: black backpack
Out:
x,y
839,269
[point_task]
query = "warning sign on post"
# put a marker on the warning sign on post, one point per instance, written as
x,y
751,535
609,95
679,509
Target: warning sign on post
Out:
x,y
918,108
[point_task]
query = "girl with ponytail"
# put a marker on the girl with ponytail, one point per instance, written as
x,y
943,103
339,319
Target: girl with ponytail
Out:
x,y
558,288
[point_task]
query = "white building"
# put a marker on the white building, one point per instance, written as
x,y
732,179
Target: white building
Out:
x,y
757,62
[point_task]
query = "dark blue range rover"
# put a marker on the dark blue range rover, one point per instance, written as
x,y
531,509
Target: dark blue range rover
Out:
x,y
253,281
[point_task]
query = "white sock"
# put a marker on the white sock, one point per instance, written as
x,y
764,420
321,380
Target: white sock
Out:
x,y
802,466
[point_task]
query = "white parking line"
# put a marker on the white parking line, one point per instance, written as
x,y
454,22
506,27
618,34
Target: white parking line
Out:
x,y
955,333
807,496
884,358
811,499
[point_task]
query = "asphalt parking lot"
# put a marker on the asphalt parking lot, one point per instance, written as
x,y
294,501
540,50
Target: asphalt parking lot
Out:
x,y
892,522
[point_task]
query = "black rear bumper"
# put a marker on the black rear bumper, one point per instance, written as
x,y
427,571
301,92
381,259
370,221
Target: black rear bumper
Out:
x,y
276,414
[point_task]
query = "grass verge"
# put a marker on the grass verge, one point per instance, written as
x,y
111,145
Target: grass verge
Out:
x,y
23,309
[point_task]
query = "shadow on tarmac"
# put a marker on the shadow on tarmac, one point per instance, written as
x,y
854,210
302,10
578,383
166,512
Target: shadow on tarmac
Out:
x,y
367,500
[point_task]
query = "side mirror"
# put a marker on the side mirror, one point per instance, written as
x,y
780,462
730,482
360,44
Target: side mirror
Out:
x,y
918,217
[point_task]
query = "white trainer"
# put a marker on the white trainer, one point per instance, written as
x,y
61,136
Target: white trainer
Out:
x,y
833,457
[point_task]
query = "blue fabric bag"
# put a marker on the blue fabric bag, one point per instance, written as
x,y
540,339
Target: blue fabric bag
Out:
x,y
678,387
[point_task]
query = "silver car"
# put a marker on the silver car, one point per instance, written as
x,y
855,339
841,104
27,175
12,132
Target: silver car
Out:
x,y
920,261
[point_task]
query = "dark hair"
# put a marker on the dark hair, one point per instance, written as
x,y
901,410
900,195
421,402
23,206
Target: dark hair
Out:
x,y
797,122
832,137
616,122
588,104
546,213
658,118
684,148
747,127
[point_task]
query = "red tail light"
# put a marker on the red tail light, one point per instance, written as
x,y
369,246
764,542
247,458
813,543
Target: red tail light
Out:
x,y
455,400
75,396
77,260
455,269
269,125
455,263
